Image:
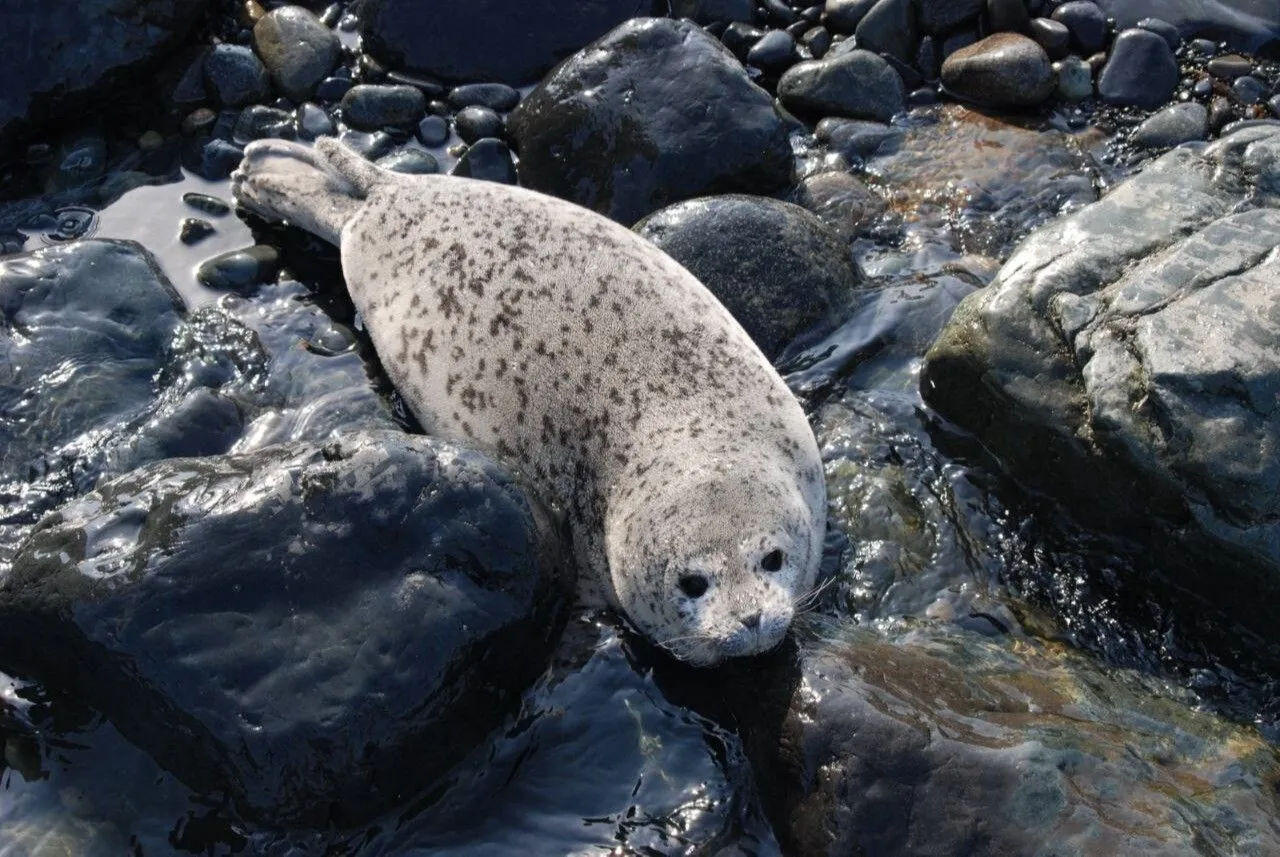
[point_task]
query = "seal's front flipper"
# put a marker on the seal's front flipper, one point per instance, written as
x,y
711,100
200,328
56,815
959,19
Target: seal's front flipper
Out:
x,y
314,188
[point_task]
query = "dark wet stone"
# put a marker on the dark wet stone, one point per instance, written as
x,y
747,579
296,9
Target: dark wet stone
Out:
x,y
1005,70
843,16
218,158
1087,24
855,139
1274,104
778,13
294,628
939,743
1175,124
940,16
1229,66
714,11
495,96
62,56
207,204
1008,16
957,41
889,28
1249,90
432,88
414,161
856,84
1166,31
922,97
194,230
1252,26
1051,35
841,200
433,131
817,42
777,268
600,130
740,37
240,270
1202,88
257,122
1137,383
928,59
372,145
372,106
236,76
314,121
460,42
1222,112
488,159
1075,78
1141,71
475,122
297,50
774,52
333,88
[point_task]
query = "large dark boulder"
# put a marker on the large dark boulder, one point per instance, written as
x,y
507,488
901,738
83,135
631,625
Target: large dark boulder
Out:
x,y
1126,360
1245,25
507,41
655,112
313,631
57,56
780,270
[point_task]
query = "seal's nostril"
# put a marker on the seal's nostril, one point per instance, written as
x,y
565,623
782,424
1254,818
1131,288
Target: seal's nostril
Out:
x,y
751,622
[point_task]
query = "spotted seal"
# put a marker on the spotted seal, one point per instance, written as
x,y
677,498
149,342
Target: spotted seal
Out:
x,y
591,362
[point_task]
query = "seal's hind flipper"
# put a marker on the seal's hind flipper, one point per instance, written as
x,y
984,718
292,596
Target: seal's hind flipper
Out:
x,y
315,188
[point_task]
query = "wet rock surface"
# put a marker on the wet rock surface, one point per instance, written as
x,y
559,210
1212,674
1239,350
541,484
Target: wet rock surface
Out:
x,y
779,269
1252,25
1005,70
297,50
857,84
295,626
1126,356
602,130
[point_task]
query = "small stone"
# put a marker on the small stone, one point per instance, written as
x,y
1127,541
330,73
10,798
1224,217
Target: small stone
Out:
x,y
240,270
474,123
1051,35
203,202
429,86
927,58
1007,16
817,42
857,84
370,106
1172,126
854,139
779,14
258,122
1164,29
194,230
1274,104
488,159
150,141
1086,22
433,131
1141,71
81,160
412,161
1202,88
200,119
218,158
333,88
1249,90
236,76
372,145
889,28
740,37
1004,70
1221,113
1230,66
774,52
1075,79
843,16
1204,47
495,96
313,122
297,50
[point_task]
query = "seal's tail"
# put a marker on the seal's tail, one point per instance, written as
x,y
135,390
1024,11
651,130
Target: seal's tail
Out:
x,y
317,188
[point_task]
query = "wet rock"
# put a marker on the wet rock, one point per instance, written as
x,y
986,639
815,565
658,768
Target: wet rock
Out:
x,y
1051,35
414,161
193,230
295,628
817,42
1008,16
740,38
81,160
371,106
1174,125
475,122
1087,24
889,27
1125,360
1164,29
297,50
774,52
314,121
654,112
257,122
495,96
841,200
1249,90
936,744
433,131
61,56
372,145
714,11
1075,79
856,139
777,268
940,16
460,42
240,270
488,159
333,88
236,76
1229,66
1004,70
1140,72
843,16
1252,26
218,158
856,84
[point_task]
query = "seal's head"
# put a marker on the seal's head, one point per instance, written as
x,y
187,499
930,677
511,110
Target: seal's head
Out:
x,y
712,567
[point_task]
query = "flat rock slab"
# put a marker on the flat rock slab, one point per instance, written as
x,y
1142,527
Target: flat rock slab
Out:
x,y
1126,360
654,112
312,631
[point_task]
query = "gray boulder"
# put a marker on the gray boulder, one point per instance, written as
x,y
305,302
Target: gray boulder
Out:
x,y
856,84
297,50
1127,361
1004,70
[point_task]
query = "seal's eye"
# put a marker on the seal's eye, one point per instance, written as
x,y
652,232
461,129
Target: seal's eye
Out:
x,y
693,585
772,561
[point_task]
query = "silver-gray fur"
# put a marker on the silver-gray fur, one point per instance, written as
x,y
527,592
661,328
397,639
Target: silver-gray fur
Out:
x,y
593,364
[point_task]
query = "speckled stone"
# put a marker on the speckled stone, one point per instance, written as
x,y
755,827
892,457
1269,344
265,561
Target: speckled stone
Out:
x,y
1175,124
1075,79
297,50
1087,24
857,84
370,106
1004,70
1141,71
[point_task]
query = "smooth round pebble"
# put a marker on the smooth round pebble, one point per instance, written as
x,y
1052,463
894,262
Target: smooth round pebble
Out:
x,y
1075,78
1141,71
844,16
1164,29
369,106
817,42
297,50
495,96
235,76
1051,35
314,121
740,37
194,230
1230,66
414,161
774,52
474,123
1249,90
372,145
218,158
1004,70
488,159
857,84
1172,126
207,204
240,270
433,131
258,122
333,88
889,28
1086,22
